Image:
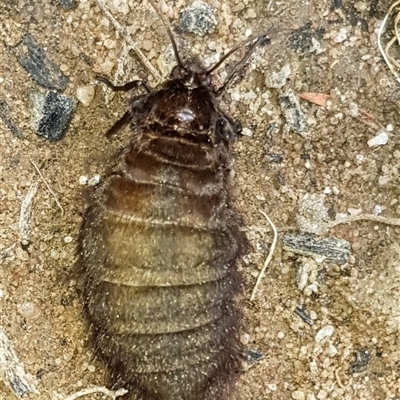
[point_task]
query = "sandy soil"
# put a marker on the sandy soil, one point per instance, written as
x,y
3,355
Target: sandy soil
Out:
x,y
274,169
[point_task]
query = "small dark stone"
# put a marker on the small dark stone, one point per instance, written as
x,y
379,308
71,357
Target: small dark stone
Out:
x,y
300,311
8,122
67,4
363,357
275,158
292,112
34,61
40,373
300,40
52,114
86,59
253,356
199,19
337,3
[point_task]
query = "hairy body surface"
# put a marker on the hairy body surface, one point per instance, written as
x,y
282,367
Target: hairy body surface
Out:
x,y
159,244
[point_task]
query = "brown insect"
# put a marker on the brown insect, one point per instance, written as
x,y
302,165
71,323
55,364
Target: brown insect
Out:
x,y
159,243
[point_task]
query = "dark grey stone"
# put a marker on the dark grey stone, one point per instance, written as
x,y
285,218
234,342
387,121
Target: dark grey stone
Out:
x,y
199,19
35,62
52,114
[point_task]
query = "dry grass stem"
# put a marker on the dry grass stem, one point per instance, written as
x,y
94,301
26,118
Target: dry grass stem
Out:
x,y
97,389
48,188
365,217
131,44
7,253
369,120
384,51
25,213
269,258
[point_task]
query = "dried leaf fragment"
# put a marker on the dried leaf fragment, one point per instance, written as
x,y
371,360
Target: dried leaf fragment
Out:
x,y
320,99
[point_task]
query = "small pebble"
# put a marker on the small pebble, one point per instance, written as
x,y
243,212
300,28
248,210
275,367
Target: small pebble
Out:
x,y
359,158
377,209
332,350
67,4
379,140
199,19
94,181
67,239
353,109
85,94
28,310
298,395
91,368
342,36
245,338
272,387
327,190
323,333
83,180
51,114
247,132
54,254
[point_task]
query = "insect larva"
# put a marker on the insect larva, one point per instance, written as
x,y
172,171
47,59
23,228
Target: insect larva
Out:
x,y
159,243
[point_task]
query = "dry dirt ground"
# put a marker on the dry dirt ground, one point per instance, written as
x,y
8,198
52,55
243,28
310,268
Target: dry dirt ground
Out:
x,y
330,51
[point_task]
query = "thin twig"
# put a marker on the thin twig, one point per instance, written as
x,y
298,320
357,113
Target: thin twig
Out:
x,y
128,39
267,261
25,213
381,49
370,120
364,217
12,371
48,188
97,389
7,253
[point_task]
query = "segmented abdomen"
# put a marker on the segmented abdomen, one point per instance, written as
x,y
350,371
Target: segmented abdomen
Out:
x,y
158,252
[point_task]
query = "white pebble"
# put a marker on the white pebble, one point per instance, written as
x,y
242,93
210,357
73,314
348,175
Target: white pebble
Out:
x,y
327,190
359,158
247,132
109,44
54,254
342,36
91,368
245,338
235,96
389,128
94,181
298,395
353,109
1,294
85,94
272,387
332,350
28,310
379,140
67,239
377,209
323,333
83,180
